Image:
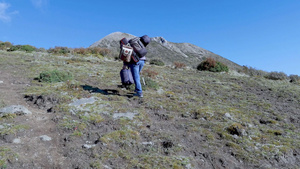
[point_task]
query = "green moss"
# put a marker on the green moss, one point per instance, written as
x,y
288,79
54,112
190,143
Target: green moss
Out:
x,y
13,129
6,155
120,136
70,124
77,133
156,162
92,118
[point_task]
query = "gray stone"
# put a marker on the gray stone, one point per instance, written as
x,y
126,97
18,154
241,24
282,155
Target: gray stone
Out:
x,y
17,141
1,127
45,138
87,146
128,115
14,109
228,115
148,143
82,102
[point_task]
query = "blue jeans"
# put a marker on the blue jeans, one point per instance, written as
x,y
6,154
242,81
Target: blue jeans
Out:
x,y
135,70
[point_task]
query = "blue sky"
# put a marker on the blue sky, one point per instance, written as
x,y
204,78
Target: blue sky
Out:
x,y
264,34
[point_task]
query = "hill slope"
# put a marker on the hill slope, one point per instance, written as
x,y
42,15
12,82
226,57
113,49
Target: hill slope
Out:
x,y
167,51
187,119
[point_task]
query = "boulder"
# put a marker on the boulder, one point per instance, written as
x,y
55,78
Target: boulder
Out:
x,y
14,109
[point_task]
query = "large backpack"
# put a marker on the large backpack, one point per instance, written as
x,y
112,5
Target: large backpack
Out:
x,y
139,49
134,49
126,77
125,51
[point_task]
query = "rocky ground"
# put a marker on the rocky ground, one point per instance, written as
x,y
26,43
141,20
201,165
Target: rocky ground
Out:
x,y
187,119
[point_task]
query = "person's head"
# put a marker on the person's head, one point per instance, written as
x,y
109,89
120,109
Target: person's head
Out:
x,y
145,40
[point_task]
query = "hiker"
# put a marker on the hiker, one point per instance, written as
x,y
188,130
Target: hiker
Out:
x,y
136,67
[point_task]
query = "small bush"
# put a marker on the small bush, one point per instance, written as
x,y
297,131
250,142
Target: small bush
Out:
x,y
157,62
42,50
179,65
150,73
91,51
5,45
59,50
277,76
80,51
294,79
26,48
149,83
55,76
212,65
100,51
254,72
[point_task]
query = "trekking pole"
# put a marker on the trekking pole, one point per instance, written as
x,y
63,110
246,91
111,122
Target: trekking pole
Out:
x,y
144,81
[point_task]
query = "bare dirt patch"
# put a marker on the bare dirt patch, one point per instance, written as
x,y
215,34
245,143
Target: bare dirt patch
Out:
x,y
31,150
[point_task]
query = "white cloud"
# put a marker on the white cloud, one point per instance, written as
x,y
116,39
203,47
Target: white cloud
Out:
x,y
4,15
39,4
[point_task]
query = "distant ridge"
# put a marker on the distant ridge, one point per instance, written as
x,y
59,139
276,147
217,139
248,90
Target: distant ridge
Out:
x,y
169,52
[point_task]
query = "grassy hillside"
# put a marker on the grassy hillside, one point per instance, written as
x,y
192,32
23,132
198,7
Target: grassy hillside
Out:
x,y
187,118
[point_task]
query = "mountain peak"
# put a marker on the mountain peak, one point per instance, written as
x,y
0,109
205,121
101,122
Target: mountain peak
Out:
x,y
113,37
165,50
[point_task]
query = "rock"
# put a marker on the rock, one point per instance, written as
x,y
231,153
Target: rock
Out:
x,y
128,115
87,146
107,167
45,138
1,82
16,141
148,143
228,115
14,109
1,127
83,101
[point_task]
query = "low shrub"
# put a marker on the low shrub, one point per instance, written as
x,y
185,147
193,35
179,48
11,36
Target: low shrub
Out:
x,y
150,73
276,76
59,50
179,65
91,51
254,72
80,51
55,76
149,83
212,65
100,51
294,79
157,62
5,45
26,48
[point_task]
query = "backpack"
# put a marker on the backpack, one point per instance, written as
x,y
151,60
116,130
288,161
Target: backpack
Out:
x,y
126,50
139,49
126,77
134,49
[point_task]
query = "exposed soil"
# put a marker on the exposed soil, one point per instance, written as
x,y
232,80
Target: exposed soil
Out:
x,y
32,151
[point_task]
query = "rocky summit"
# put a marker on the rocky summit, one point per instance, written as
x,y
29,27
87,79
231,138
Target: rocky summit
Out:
x,y
169,52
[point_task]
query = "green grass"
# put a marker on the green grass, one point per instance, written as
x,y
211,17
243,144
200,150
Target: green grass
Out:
x,y
6,155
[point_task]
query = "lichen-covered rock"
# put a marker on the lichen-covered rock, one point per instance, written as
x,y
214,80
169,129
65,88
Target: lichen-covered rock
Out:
x,y
14,109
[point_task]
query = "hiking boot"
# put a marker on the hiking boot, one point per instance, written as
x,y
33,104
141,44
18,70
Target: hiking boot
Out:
x,y
138,95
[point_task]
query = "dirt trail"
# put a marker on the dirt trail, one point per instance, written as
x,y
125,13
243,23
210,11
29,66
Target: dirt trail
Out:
x,y
32,151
